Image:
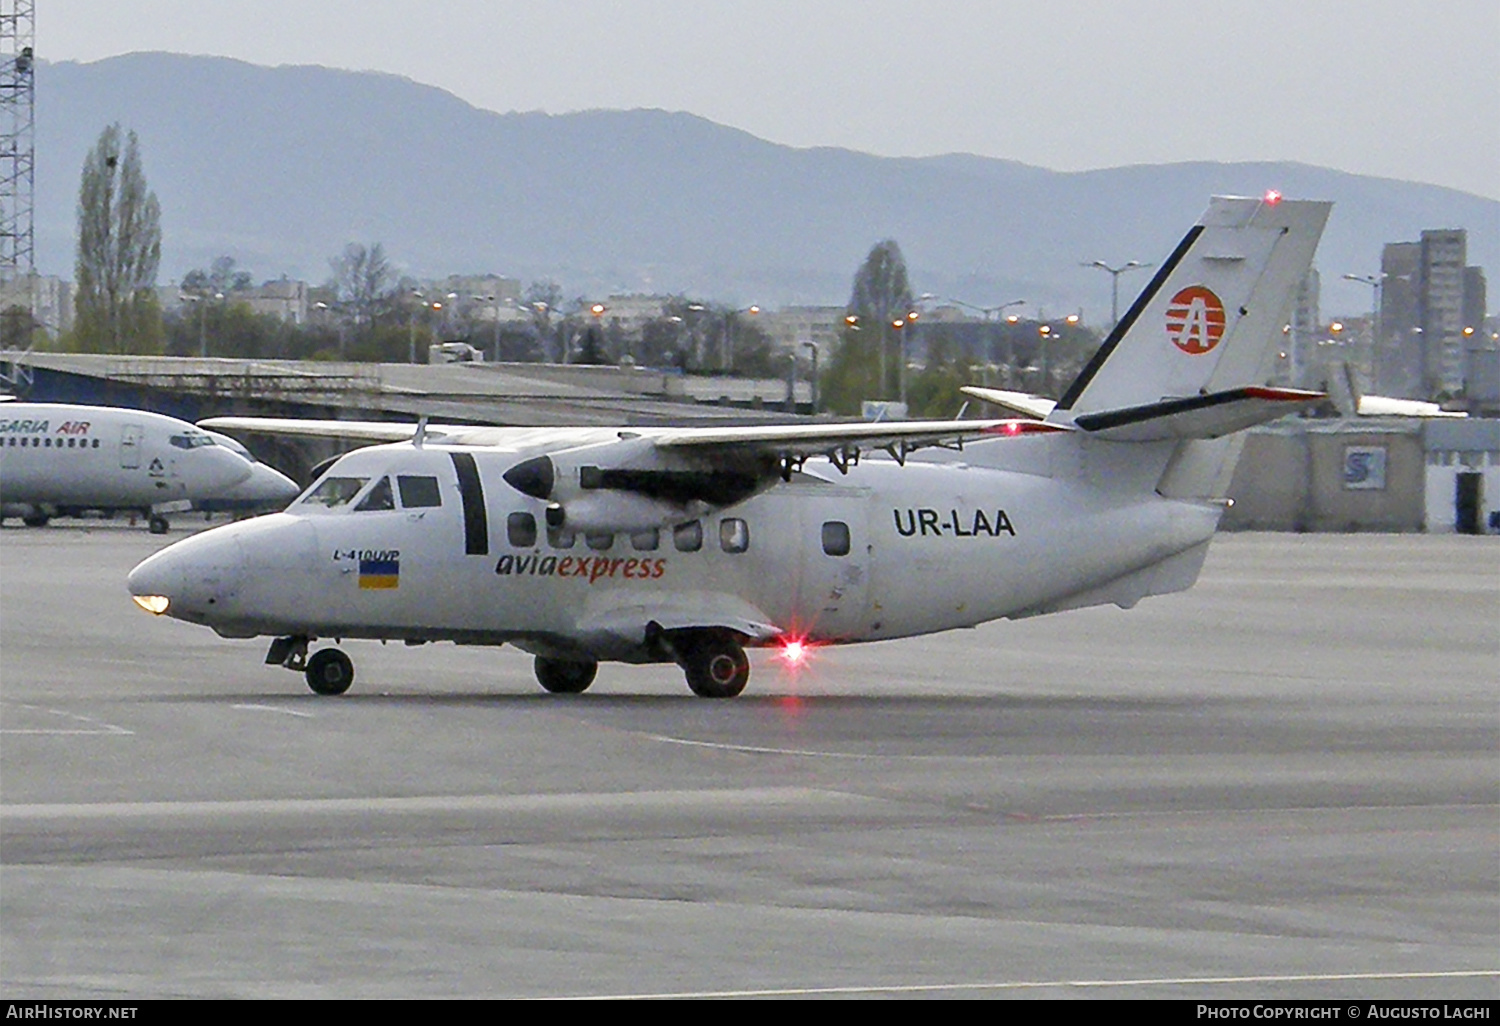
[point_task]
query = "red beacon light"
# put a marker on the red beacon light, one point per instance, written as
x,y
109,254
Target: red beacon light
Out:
x,y
1272,197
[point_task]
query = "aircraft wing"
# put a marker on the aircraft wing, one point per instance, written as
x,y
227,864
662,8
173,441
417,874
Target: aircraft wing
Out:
x,y
785,440
798,441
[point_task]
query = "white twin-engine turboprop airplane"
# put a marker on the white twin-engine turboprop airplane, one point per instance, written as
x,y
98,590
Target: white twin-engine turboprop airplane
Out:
x,y
56,457
686,545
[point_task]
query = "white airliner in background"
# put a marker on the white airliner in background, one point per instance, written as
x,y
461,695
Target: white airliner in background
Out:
x,y
56,456
686,545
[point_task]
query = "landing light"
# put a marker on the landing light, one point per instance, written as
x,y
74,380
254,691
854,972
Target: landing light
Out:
x,y
155,604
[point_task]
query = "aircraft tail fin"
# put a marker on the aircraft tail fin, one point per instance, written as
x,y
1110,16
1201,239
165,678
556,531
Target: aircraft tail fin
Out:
x,y
1189,359
1212,316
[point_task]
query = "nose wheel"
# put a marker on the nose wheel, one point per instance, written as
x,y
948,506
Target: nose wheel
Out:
x,y
329,672
564,677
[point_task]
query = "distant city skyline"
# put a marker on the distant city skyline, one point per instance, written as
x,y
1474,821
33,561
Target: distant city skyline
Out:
x,y
1387,87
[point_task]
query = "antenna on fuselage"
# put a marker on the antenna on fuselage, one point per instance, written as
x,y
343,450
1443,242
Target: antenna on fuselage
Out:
x,y
421,435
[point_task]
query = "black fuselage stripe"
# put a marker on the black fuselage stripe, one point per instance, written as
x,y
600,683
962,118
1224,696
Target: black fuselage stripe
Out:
x,y
1136,309
476,524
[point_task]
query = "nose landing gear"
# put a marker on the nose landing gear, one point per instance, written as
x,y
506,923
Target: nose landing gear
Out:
x,y
562,677
328,671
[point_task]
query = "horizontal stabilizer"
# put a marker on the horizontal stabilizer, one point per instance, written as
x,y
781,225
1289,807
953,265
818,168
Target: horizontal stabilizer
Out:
x,y
1024,403
1199,416
1387,406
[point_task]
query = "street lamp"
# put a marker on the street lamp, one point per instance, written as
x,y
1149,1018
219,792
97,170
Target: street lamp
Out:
x,y
814,347
989,312
495,300
201,299
726,360
1114,284
1374,281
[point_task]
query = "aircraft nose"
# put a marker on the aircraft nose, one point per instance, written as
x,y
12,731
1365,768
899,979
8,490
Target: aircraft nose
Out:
x,y
191,579
272,485
223,468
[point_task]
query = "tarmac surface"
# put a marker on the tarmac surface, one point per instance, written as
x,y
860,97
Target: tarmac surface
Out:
x,y
1284,783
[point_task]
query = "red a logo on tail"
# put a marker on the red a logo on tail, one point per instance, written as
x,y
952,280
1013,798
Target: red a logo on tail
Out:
x,y
1195,320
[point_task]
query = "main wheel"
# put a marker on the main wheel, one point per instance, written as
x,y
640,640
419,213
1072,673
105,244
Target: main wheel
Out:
x,y
329,672
35,519
565,676
716,667
157,524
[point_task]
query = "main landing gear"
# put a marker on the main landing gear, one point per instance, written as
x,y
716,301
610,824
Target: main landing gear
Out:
x,y
328,671
715,665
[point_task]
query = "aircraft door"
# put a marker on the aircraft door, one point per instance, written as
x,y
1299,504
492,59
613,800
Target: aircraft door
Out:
x,y
830,590
130,446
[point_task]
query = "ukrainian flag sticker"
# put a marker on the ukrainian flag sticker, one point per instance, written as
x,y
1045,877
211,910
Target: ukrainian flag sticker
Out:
x,y
379,573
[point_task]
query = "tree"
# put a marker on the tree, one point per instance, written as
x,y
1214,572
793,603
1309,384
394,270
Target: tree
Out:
x,y
865,365
119,249
364,285
221,278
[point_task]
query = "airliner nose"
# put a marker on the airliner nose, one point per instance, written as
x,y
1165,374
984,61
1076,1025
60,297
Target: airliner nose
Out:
x,y
269,485
223,468
191,579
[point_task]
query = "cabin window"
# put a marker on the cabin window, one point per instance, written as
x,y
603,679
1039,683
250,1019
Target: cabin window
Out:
x,y
333,492
734,534
520,530
835,538
418,492
646,541
599,541
688,537
380,498
561,537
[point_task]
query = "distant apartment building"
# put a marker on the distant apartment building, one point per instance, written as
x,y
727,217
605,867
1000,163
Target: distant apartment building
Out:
x,y
791,326
1431,306
1299,359
284,299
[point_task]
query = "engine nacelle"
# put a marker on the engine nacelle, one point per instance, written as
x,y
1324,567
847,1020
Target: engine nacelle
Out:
x,y
631,485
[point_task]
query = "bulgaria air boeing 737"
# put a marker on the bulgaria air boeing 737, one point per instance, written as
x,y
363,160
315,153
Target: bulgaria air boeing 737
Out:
x,y
56,457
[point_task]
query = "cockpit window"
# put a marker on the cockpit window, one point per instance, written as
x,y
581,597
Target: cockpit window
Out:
x,y
418,492
192,440
333,492
380,497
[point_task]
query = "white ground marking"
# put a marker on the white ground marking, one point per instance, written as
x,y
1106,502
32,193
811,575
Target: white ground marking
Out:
x,y
274,709
95,727
920,988
762,797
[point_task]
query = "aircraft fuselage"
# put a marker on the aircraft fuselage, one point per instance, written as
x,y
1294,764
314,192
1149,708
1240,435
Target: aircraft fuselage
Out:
x,y
885,551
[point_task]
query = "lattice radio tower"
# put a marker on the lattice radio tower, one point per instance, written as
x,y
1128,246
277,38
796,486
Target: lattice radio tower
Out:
x,y
17,138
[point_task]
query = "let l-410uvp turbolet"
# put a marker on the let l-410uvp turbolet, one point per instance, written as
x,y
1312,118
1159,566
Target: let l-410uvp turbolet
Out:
x,y
686,545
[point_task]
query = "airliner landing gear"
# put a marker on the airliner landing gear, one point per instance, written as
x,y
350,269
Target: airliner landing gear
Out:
x,y
716,666
35,519
157,524
563,676
329,672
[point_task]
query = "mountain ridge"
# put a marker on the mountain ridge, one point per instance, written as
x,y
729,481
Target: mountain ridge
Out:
x,y
281,166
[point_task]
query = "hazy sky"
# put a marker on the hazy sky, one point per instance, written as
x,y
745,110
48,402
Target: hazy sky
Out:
x,y
1385,87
